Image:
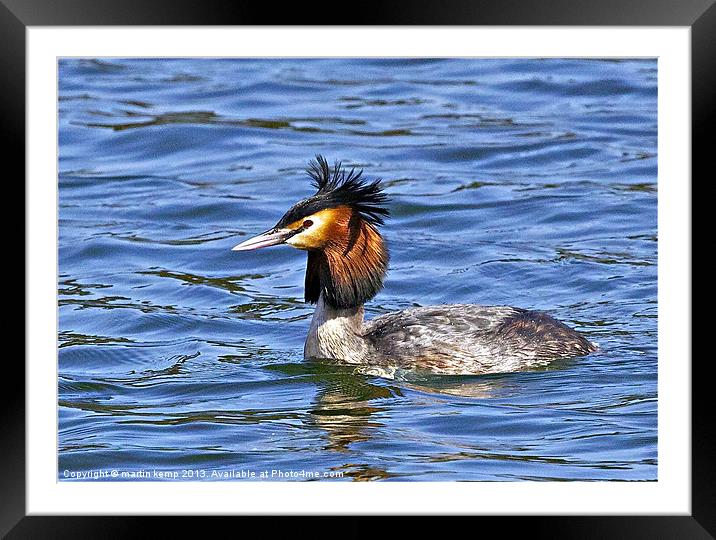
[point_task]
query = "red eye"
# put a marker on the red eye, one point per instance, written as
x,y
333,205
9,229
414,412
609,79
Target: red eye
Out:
x,y
307,223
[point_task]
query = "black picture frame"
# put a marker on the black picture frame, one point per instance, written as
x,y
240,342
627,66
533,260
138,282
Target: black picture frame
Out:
x,y
699,15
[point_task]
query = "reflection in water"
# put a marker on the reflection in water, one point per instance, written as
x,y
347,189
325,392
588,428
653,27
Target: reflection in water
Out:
x,y
348,406
345,410
470,388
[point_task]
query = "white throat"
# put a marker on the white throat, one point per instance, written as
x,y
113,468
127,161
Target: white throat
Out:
x,y
336,334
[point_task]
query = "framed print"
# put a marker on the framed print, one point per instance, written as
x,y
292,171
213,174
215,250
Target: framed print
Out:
x,y
437,262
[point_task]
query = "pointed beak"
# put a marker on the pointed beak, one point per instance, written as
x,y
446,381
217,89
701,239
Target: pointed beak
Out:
x,y
271,237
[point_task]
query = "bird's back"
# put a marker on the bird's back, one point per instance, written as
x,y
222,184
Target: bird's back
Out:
x,y
471,339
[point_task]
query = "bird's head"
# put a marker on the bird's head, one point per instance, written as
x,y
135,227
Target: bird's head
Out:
x,y
338,226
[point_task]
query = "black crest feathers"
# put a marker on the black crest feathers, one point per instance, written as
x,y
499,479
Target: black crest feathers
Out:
x,y
349,270
336,187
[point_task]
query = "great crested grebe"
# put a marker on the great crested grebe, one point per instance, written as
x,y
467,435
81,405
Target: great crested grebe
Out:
x,y
347,263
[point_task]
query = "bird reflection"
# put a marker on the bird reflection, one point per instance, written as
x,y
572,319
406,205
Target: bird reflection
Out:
x,y
351,402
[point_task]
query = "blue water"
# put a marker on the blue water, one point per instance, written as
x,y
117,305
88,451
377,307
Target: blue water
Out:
x,y
524,182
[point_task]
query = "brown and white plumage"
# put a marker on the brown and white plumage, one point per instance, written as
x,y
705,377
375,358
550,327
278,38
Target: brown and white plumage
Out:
x,y
347,263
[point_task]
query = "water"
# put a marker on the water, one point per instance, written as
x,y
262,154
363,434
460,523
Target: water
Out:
x,y
522,182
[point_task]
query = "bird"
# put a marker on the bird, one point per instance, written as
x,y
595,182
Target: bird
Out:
x,y
347,262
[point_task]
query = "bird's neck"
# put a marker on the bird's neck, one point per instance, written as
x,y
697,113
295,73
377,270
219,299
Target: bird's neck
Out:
x,y
336,333
340,278
350,269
